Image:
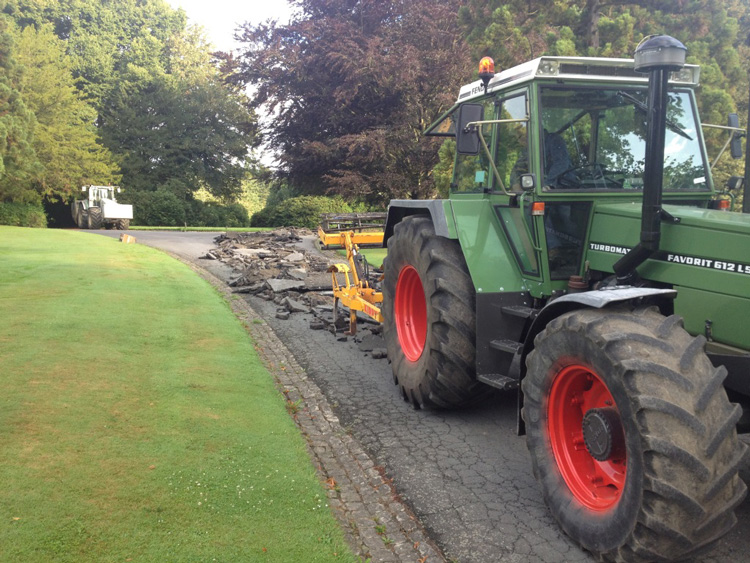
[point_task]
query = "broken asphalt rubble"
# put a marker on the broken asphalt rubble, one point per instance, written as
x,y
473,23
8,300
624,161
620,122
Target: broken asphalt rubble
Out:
x,y
285,266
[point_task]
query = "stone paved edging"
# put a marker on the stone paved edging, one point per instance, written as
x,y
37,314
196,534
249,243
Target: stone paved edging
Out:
x,y
376,524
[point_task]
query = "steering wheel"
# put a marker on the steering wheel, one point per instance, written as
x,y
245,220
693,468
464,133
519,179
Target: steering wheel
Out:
x,y
570,178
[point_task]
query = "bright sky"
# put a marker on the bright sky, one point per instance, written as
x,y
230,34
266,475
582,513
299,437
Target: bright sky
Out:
x,y
220,18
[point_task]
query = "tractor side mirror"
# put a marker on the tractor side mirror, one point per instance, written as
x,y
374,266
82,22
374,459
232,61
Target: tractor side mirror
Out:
x,y
735,183
467,138
735,147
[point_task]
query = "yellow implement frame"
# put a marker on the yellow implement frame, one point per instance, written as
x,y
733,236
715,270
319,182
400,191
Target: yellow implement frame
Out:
x,y
355,292
328,239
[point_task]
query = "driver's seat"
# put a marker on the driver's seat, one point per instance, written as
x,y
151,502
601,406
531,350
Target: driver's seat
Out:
x,y
557,163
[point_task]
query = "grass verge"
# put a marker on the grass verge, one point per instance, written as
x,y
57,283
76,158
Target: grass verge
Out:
x,y
136,420
374,256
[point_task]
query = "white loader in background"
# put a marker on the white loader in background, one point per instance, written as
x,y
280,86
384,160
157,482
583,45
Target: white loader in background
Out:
x,y
101,210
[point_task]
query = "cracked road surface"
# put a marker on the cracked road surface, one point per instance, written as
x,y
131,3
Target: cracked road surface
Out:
x,y
465,474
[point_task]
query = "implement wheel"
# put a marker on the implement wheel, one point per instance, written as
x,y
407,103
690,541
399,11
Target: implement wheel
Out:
x,y
429,326
631,434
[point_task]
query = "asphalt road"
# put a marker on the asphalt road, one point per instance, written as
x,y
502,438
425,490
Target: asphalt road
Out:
x,y
190,245
465,474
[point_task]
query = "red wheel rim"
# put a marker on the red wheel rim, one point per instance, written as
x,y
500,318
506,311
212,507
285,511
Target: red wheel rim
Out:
x,y
410,312
597,485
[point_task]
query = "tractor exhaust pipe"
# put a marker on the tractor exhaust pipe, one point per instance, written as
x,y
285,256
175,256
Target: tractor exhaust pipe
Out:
x,y
658,55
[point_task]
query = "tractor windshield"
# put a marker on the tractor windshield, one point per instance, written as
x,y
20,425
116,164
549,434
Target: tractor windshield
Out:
x,y
596,139
102,192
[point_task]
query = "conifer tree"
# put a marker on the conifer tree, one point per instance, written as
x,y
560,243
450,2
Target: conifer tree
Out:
x,y
18,161
65,136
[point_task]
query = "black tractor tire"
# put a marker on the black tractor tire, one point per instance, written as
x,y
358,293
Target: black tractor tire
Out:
x,y
631,435
83,219
123,224
95,218
429,311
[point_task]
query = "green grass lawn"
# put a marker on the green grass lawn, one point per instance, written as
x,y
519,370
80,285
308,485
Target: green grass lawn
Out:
x,y
136,420
374,256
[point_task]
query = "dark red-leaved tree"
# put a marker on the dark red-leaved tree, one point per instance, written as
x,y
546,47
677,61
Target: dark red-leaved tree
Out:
x,y
352,84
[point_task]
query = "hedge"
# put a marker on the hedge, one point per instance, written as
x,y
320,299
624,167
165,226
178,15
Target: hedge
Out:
x,y
300,211
162,208
22,215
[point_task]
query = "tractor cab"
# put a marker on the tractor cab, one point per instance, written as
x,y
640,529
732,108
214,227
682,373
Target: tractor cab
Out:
x,y
547,141
98,193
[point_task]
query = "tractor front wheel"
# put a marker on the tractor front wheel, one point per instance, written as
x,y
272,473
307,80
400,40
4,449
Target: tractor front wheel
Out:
x,y
123,224
429,310
95,218
631,434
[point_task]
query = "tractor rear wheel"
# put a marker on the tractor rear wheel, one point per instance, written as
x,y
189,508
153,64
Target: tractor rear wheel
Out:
x,y
429,310
123,224
631,434
82,219
95,218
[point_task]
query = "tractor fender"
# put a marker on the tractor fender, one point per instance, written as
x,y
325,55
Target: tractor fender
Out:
x,y
435,208
597,299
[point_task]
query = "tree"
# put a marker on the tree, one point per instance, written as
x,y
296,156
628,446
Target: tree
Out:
x,y
102,37
65,137
515,31
179,127
162,108
353,84
18,160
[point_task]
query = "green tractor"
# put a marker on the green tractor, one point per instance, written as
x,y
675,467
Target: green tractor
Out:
x,y
583,261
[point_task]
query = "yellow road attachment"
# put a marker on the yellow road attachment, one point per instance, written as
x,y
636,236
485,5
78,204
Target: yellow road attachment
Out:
x,y
355,291
338,239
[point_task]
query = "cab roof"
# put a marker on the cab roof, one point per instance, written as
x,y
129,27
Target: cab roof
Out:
x,y
574,69
567,69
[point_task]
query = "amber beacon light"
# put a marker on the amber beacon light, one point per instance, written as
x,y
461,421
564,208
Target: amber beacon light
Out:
x,y
486,70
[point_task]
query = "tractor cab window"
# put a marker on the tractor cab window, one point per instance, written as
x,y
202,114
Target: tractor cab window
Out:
x,y
565,225
511,155
596,139
472,173
445,126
